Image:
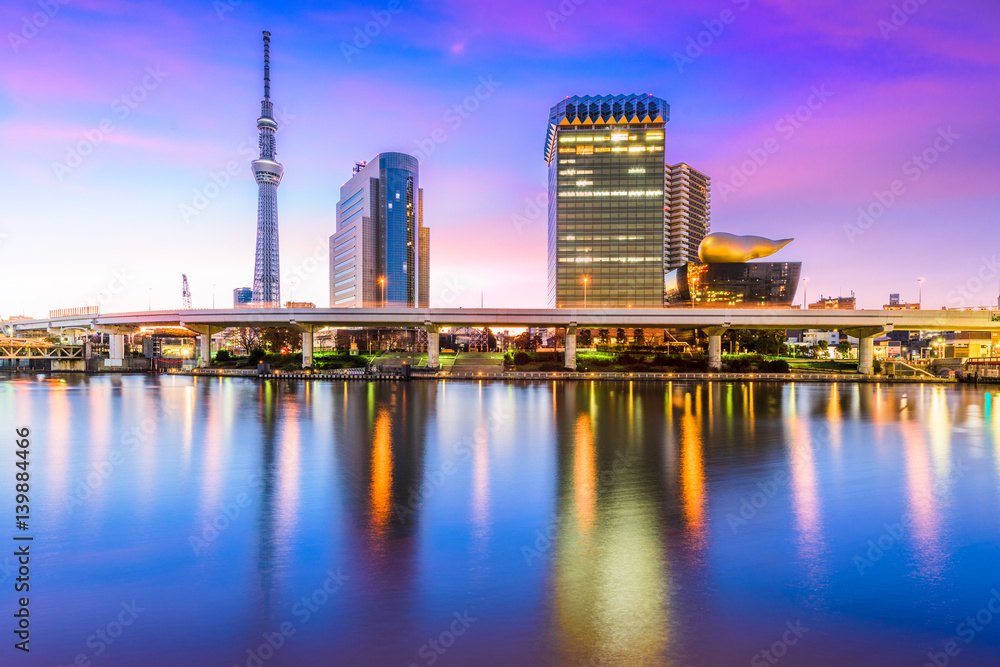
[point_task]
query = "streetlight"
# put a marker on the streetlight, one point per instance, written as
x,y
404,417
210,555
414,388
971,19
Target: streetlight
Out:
x,y
920,293
940,342
150,298
381,282
585,281
805,292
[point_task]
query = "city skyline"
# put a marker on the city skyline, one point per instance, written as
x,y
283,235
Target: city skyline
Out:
x,y
112,153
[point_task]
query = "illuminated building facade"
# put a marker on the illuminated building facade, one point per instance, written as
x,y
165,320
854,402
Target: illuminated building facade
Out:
x,y
242,297
687,214
761,284
606,212
835,303
376,252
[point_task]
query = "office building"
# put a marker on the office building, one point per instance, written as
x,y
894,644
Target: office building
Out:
x,y
379,255
606,201
242,297
687,214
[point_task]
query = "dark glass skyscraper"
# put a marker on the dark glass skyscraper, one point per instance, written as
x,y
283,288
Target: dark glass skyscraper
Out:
x,y
375,253
606,201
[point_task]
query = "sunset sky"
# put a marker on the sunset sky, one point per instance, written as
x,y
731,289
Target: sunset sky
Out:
x,y
114,117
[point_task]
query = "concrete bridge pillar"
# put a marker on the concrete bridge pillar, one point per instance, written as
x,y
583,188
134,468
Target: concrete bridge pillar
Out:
x,y
715,347
205,355
433,346
307,349
866,345
866,355
570,358
116,349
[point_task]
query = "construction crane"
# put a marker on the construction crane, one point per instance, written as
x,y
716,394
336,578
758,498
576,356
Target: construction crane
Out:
x,y
185,292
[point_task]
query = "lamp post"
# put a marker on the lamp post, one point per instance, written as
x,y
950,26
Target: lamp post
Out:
x,y
805,292
585,281
920,293
150,298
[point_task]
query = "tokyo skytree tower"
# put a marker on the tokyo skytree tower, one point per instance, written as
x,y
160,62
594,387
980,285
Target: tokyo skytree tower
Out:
x,y
267,172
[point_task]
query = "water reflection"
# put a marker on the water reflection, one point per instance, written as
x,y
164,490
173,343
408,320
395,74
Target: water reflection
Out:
x,y
426,502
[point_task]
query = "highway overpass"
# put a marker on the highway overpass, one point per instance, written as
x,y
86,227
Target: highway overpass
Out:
x,y
863,324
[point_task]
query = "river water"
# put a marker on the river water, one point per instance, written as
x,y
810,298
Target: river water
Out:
x,y
193,521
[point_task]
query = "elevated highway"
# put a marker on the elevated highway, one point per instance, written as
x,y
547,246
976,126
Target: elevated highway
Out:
x,y
863,324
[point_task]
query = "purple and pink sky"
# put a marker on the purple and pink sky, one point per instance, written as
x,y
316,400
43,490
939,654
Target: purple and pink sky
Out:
x,y
154,98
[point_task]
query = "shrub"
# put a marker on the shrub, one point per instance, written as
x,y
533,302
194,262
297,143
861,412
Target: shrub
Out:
x,y
776,366
521,358
256,356
551,366
222,355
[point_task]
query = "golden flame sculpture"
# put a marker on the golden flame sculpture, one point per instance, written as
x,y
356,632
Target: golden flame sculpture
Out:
x,y
719,248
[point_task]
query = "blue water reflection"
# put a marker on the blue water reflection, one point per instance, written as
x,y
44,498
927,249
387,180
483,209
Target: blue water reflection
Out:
x,y
476,523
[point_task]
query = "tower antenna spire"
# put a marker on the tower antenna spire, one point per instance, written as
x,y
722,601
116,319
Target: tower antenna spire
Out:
x,y
267,65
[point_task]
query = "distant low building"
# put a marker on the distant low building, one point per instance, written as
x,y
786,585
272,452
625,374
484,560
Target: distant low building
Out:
x,y
835,303
299,304
242,297
896,304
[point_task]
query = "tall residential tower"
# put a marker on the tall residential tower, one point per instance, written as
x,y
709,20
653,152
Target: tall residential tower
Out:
x,y
380,252
267,172
619,217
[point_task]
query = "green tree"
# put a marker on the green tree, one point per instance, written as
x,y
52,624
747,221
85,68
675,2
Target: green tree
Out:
x,y
603,336
586,338
276,339
620,336
638,337
844,348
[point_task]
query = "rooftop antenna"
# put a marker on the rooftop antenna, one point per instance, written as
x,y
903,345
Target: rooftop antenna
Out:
x,y
267,65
